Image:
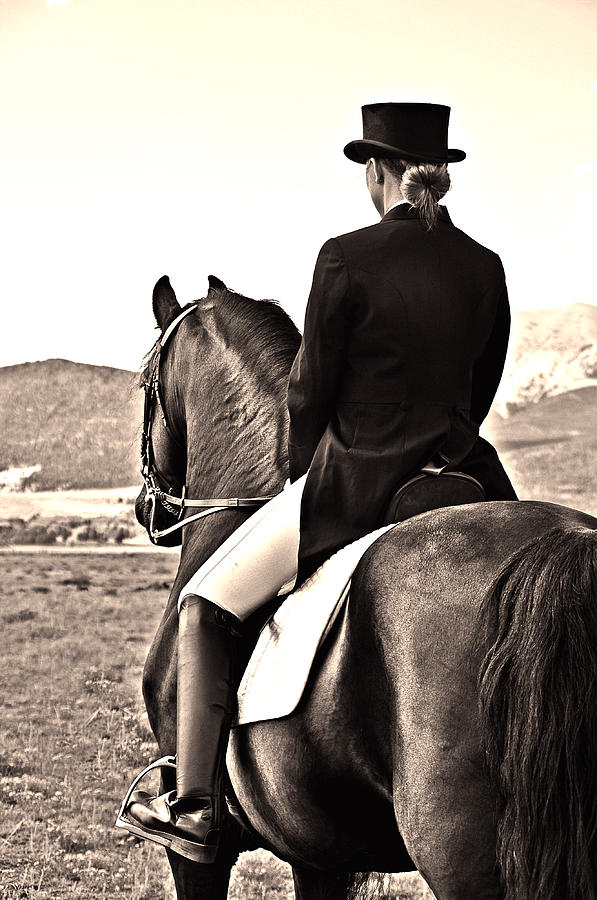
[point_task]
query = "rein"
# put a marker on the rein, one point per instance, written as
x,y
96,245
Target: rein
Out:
x,y
149,470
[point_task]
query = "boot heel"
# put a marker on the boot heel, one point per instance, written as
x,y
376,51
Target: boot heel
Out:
x,y
201,853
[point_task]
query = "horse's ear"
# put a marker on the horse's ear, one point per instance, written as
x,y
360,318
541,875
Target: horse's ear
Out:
x,y
216,284
165,305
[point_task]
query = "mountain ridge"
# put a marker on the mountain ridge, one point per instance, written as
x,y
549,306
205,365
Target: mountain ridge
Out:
x,y
81,422
552,351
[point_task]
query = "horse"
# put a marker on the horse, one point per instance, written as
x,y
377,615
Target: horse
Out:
x,y
450,725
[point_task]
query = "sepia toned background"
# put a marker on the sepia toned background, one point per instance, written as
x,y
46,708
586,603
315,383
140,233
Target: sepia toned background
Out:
x,y
188,137
141,138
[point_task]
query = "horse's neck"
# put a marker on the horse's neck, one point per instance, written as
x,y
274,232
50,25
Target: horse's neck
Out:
x,y
237,428
237,440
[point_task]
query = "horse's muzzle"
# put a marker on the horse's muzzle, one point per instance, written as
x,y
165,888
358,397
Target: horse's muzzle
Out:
x,y
153,517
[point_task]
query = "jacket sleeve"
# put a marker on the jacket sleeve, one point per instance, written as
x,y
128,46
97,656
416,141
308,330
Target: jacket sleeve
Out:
x,y
488,369
317,368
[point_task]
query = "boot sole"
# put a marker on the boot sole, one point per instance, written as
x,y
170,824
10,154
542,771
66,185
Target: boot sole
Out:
x,y
201,853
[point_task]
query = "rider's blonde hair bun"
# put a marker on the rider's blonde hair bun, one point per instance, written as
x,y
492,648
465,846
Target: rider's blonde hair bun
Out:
x,y
423,185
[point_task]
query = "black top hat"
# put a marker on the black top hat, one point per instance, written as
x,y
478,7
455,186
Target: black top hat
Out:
x,y
417,132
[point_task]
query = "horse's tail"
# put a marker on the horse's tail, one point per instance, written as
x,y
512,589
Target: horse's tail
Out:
x,y
538,703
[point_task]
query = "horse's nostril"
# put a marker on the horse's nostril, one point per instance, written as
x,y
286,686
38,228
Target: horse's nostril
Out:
x,y
141,511
155,519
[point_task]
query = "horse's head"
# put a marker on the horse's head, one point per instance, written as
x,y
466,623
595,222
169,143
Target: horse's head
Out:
x,y
215,418
163,451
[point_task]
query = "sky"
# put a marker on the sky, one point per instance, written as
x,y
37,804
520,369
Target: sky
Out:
x,y
148,137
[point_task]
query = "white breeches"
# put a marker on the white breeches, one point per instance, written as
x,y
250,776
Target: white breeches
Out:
x,y
257,560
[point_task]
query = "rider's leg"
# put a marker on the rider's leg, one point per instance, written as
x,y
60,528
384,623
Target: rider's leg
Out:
x,y
246,571
256,560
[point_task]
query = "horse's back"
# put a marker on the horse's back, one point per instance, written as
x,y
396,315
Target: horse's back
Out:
x,y
429,575
422,585
380,767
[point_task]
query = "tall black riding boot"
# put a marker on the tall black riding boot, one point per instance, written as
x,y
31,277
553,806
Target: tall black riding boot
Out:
x,y
208,676
189,820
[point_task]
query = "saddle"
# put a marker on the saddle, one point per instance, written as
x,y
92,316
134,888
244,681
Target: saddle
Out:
x,y
432,488
280,666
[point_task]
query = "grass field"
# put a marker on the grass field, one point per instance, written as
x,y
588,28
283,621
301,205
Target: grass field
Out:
x,y
76,628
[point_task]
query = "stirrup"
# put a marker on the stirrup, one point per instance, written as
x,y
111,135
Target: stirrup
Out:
x,y
191,849
164,762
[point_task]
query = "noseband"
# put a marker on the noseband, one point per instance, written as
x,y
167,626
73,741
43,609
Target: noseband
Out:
x,y
149,470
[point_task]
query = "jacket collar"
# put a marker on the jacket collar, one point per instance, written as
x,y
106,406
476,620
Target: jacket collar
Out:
x,y
406,211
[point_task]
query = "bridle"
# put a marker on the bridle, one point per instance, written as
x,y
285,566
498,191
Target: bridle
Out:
x,y
149,470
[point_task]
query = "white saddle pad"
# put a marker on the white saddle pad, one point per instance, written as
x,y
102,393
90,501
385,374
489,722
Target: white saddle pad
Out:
x,y
278,670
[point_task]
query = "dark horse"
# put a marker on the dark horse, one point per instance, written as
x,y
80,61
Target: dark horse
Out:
x,y
451,727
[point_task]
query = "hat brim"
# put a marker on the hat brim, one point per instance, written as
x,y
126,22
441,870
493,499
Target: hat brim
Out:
x,y
361,151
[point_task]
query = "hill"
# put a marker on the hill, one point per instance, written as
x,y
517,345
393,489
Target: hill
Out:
x,y
550,448
552,351
79,423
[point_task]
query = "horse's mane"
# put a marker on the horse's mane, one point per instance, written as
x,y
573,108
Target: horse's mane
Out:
x,y
267,336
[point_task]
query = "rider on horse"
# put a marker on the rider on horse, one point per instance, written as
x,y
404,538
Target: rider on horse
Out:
x,y
405,337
